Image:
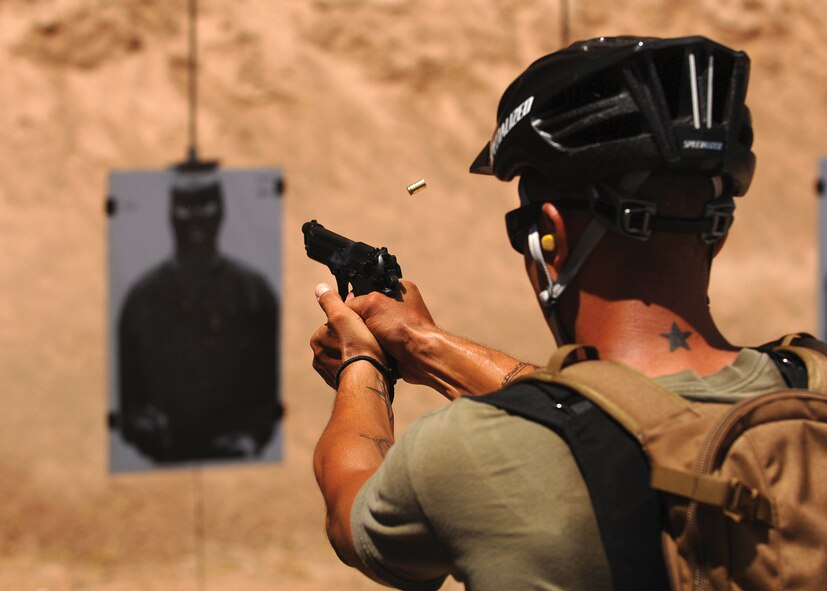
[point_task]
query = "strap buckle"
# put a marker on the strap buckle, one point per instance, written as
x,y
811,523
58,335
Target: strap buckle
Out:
x,y
632,217
742,502
636,218
720,214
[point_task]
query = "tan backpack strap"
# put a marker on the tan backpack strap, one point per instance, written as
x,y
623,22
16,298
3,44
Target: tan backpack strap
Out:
x,y
635,401
568,354
802,339
814,355
737,500
560,359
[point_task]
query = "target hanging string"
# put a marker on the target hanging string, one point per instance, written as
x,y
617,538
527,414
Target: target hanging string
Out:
x,y
192,68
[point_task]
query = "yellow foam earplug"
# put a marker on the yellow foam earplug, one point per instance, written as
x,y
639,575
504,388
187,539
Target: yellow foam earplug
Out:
x,y
547,242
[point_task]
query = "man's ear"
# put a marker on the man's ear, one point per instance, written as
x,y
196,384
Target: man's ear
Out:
x,y
551,222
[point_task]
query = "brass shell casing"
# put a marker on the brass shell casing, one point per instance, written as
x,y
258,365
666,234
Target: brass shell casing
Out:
x,y
416,187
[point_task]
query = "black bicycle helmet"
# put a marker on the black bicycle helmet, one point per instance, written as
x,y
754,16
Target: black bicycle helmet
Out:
x,y
610,106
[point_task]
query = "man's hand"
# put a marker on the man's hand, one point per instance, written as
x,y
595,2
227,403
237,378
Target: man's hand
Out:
x,y
402,326
345,335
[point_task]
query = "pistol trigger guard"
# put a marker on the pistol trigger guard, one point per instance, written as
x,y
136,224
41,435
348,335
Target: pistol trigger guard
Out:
x,y
342,284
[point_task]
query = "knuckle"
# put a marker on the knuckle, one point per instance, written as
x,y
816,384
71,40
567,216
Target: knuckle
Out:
x,y
317,339
335,316
372,300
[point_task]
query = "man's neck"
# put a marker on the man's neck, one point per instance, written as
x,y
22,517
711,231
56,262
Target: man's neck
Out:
x,y
653,338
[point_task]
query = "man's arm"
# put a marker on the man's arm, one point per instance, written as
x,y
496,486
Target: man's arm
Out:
x,y
360,430
428,355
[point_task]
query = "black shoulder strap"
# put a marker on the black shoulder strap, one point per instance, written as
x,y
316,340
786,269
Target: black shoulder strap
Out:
x,y
792,368
616,473
786,352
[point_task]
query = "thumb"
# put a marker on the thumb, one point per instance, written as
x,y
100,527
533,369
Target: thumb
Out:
x,y
328,299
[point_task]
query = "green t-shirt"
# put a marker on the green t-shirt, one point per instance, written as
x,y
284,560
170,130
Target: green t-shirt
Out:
x,y
497,501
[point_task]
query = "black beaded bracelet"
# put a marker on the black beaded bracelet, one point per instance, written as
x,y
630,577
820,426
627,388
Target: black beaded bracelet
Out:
x,y
386,372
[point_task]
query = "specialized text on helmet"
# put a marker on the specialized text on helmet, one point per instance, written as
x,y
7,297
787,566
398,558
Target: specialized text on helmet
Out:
x,y
508,124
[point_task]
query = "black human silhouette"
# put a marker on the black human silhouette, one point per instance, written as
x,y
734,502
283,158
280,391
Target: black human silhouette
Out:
x,y
198,343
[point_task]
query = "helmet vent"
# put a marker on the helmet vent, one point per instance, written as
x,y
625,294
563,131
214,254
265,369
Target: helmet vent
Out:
x,y
695,84
583,123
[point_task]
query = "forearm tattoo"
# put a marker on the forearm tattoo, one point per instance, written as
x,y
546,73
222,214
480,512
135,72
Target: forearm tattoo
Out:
x,y
382,392
383,444
677,338
511,374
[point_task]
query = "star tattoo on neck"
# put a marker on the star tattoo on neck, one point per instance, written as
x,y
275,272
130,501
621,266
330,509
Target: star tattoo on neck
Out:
x,y
677,338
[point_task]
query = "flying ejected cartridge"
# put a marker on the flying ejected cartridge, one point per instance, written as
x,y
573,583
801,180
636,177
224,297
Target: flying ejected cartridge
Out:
x,y
416,187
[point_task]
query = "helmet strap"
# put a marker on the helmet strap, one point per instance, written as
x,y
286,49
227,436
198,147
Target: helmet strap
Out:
x,y
717,186
596,229
554,289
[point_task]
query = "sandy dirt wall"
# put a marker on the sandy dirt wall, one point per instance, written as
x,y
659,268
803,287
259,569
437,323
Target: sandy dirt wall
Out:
x,y
354,99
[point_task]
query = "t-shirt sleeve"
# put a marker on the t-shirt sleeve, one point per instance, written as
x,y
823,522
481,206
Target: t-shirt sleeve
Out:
x,y
390,531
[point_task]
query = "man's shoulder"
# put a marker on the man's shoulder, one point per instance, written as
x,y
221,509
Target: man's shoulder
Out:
x,y
469,431
458,418
468,441
468,414
505,476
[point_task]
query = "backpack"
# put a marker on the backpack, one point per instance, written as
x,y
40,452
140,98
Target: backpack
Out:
x,y
741,488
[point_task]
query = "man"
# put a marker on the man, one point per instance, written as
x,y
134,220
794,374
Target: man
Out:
x,y
198,342
629,151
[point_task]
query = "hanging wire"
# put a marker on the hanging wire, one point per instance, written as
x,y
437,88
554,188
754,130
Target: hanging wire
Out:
x,y
198,498
564,23
193,81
